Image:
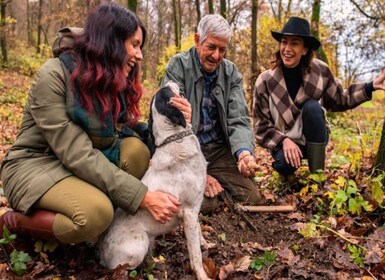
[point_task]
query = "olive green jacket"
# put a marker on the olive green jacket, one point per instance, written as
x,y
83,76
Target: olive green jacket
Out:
x,y
184,69
50,147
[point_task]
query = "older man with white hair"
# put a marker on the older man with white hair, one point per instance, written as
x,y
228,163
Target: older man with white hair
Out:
x,y
219,114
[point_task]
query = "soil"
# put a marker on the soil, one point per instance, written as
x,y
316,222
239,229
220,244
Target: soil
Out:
x,y
242,241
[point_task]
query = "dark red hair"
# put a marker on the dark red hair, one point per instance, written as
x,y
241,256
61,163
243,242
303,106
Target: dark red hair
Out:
x,y
100,54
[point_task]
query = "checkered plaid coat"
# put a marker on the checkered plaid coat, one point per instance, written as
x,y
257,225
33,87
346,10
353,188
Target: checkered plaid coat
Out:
x,y
271,98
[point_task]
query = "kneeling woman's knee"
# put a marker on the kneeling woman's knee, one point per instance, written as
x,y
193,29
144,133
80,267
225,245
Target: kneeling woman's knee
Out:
x,y
86,225
99,218
134,156
312,107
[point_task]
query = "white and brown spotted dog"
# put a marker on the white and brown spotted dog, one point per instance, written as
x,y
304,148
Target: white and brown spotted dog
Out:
x,y
178,167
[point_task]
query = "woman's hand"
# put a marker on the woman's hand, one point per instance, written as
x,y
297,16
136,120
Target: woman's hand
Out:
x,y
182,105
378,82
162,206
213,188
246,164
292,153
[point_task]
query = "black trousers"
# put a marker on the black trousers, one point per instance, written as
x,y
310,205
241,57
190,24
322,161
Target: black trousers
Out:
x,y
314,130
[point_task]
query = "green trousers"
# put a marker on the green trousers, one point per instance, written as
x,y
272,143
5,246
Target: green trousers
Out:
x,y
84,212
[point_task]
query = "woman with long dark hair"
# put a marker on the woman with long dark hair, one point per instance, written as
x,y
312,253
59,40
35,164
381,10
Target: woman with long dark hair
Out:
x,y
290,100
81,149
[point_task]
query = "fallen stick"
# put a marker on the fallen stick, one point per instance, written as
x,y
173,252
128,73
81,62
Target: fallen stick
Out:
x,y
268,208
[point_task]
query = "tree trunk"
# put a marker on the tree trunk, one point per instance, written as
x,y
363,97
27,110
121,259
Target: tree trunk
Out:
x,y
211,6
146,47
254,63
380,159
177,23
3,37
223,9
39,27
315,28
198,9
254,28
288,11
132,5
279,16
29,28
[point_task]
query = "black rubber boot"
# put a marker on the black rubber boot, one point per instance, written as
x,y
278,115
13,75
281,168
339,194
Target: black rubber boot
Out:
x,y
316,156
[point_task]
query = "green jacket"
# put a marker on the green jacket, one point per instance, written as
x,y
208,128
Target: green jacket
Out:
x,y
233,113
50,147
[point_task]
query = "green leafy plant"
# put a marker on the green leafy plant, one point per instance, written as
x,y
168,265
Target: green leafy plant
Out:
x,y
7,237
377,188
147,271
18,262
268,258
133,273
356,253
310,230
347,198
18,259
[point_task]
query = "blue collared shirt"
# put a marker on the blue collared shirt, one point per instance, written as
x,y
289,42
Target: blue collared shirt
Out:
x,y
210,129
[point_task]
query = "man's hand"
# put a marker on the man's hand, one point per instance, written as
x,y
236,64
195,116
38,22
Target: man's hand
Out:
x,y
183,105
292,153
246,164
213,188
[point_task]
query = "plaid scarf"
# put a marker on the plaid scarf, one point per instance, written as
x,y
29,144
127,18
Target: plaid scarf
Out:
x,y
105,135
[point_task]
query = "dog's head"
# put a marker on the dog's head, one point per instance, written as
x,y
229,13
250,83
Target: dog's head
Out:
x,y
164,118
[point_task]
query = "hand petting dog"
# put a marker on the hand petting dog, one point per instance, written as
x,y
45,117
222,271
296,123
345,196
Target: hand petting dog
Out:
x,y
162,206
183,105
179,101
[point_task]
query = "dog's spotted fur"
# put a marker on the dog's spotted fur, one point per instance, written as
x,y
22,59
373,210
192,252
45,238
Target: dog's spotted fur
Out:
x,y
177,168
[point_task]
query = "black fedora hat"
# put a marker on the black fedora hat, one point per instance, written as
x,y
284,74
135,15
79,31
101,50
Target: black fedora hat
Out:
x,y
300,27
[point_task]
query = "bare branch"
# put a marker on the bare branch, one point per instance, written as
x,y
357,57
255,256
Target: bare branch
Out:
x,y
365,13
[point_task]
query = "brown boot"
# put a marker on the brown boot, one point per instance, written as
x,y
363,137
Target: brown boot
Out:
x,y
37,225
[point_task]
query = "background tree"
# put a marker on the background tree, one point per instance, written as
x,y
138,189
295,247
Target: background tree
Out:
x,y
374,9
39,26
177,22
132,5
254,27
210,6
3,31
315,17
223,10
198,9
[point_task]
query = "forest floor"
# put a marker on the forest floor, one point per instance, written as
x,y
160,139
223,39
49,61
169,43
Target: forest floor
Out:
x,y
323,238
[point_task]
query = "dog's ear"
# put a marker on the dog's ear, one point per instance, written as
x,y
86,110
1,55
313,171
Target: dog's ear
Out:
x,y
163,107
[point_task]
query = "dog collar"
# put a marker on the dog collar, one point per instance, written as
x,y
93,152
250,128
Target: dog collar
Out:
x,y
177,137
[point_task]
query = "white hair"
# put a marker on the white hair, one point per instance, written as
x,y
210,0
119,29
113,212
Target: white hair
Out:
x,y
215,25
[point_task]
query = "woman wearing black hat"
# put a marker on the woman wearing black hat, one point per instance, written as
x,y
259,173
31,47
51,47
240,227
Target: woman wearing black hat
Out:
x,y
290,100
